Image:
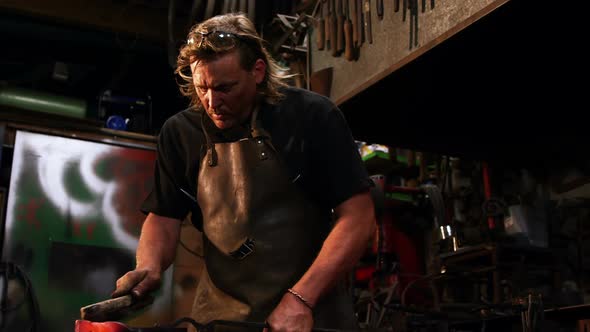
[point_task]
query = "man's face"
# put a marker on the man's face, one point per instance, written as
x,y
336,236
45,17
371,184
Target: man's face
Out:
x,y
226,91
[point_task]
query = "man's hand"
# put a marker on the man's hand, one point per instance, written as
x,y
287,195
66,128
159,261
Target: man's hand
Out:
x,y
155,252
291,315
139,283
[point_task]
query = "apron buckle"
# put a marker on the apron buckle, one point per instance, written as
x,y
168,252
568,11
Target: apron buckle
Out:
x,y
244,250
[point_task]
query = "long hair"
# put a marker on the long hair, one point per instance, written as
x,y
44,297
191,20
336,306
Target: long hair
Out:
x,y
249,46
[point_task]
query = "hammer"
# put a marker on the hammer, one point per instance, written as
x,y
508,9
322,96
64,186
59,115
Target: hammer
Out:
x,y
113,309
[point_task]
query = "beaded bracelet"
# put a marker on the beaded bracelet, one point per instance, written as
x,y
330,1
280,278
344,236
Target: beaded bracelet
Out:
x,y
297,295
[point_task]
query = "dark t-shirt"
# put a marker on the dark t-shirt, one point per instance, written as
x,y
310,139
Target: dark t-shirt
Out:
x,y
307,129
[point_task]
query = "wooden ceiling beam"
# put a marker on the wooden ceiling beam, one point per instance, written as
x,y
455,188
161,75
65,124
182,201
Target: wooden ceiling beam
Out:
x,y
127,17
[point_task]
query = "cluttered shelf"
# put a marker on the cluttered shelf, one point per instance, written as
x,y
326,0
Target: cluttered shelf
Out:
x,y
18,119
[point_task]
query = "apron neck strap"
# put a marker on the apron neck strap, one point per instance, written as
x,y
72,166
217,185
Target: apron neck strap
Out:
x,y
256,129
211,154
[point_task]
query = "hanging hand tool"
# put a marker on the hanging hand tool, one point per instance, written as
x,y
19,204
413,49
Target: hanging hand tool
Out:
x,y
379,5
327,24
333,29
348,43
352,17
413,7
319,34
360,22
339,27
404,9
368,33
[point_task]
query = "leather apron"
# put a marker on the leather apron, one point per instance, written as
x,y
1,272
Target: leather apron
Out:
x,y
260,234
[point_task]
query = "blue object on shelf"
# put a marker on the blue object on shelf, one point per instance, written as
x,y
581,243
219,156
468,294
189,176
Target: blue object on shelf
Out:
x,y
116,122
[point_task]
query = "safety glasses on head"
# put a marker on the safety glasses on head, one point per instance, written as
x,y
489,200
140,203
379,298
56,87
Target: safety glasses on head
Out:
x,y
216,39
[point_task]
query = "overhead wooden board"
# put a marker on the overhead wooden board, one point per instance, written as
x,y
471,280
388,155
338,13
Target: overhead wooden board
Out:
x,y
391,47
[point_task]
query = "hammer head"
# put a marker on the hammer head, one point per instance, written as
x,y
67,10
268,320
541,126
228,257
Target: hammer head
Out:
x,y
113,309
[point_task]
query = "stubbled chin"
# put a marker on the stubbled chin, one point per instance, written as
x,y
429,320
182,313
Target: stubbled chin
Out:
x,y
222,124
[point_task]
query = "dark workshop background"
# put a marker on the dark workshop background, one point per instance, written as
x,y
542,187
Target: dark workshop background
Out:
x,y
479,147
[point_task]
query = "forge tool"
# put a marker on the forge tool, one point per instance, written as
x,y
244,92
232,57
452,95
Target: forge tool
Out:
x,y
113,309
